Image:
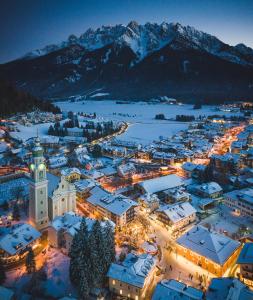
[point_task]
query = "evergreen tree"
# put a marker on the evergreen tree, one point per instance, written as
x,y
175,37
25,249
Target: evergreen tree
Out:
x,y
109,246
51,130
30,262
97,151
16,212
83,286
74,267
79,254
97,254
2,272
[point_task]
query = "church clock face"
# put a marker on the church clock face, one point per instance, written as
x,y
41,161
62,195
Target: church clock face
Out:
x,y
41,167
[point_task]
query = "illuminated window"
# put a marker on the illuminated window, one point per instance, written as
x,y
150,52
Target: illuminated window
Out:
x,y
120,292
113,282
136,297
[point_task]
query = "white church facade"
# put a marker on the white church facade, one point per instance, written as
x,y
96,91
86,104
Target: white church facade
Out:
x,y
50,196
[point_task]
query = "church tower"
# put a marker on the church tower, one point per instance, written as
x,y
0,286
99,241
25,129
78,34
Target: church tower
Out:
x,y
38,202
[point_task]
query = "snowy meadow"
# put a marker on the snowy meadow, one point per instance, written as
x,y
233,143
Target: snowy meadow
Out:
x,y
144,128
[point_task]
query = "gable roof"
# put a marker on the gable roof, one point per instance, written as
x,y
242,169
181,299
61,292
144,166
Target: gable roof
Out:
x,y
116,204
160,184
178,211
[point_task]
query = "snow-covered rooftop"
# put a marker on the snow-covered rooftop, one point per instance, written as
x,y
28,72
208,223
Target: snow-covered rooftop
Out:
x,y
211,245
18,238
228,288
160,184
133,270
117,204
84,184
178,211
70,171
53,182
173,289
246,255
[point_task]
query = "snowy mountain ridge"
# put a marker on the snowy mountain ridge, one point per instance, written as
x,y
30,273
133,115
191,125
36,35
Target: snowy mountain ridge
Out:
x,y
150,37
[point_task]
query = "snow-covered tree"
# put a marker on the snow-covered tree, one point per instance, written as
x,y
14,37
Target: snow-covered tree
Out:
x,y
97,254
83,286
77,252
109,245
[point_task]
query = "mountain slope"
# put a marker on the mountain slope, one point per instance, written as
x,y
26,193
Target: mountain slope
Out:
x,y
13,101
138,62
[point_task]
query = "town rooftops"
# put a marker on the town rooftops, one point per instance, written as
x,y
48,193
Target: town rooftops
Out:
x,y
228,288
245,195
70,223
18,238
173,289
69,171
133,270
57,161
178,211
116,204
160,184
246,255
215,247
209,188
84,184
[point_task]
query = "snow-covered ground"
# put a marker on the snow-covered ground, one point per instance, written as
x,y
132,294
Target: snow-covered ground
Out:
x,y
56,266
26,132
143,127
141,116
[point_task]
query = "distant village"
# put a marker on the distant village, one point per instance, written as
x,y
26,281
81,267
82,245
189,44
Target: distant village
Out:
x,y
85,214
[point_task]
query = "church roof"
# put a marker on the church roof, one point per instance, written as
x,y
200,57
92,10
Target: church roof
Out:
x,y
53,182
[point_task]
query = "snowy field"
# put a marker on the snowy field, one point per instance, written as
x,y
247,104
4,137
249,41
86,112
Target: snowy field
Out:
x,y
26,132
143,127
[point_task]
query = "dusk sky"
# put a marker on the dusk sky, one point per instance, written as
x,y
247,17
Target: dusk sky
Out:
x,y
31,24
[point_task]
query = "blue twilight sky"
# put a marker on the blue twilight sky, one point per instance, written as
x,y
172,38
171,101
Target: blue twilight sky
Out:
x,y
30,24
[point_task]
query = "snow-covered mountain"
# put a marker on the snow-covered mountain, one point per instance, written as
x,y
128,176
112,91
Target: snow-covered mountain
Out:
x,y
145,39
137,62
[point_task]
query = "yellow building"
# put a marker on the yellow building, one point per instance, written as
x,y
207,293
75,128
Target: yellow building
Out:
x,y
211,251
71,174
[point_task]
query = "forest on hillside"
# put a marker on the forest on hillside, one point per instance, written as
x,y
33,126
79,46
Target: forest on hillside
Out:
x,y
13,101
